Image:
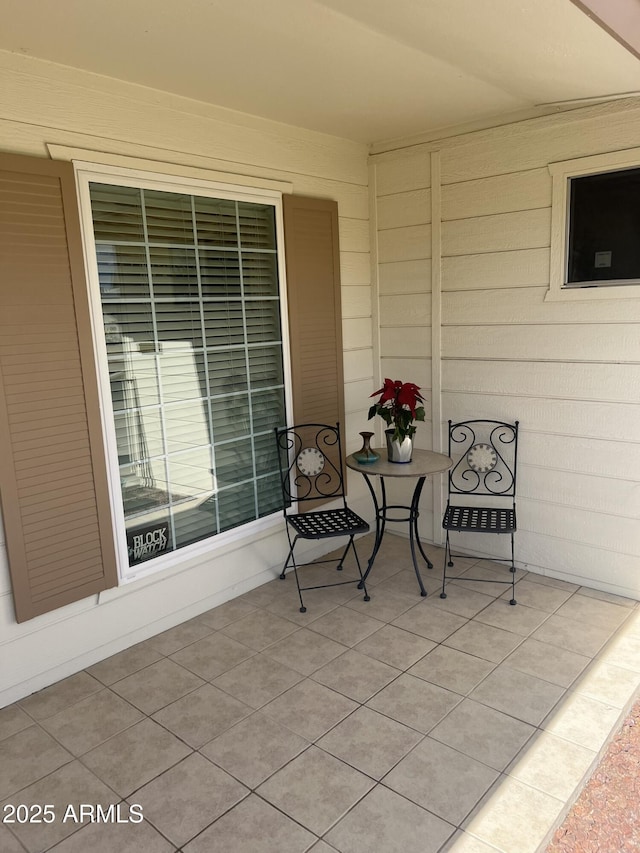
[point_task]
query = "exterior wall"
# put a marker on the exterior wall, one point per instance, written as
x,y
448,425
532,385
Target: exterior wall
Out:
x,y
569,371
47,105
402,240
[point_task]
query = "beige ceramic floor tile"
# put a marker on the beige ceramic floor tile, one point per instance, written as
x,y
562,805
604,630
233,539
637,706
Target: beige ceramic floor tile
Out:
x,y
454,670
593,611
383,605
316,601
548,662
607,683
538,595
385,822
202,715
450,794
414,702
395,646
259,630
499,568
518,619
238,831
552,764
546,580
385,567
177,638
483,733
520,695
370,742
70,785
213,655
316,789
226,613
13,719
321,847
462,600
124,663
494,821
356,676
8,842
430,622
188,797
123,838
91,721
611,597
462,842
254,749
492,644
310,709
490,579
26,757
346,626
305,651
157,685
258,680
261,595
406,581
459,567
61,695
632,625
582,720
579,637
624,651
136,756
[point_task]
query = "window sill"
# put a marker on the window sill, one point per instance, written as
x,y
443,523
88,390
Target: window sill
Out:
x,y
590,292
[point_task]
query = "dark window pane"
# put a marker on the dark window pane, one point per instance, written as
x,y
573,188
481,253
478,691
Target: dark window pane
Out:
x,y
604,232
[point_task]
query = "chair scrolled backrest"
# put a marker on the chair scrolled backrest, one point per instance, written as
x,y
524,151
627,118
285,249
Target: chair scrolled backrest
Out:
x,y
310,457
486,454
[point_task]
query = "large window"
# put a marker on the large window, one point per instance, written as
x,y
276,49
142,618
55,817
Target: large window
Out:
x,y
190,300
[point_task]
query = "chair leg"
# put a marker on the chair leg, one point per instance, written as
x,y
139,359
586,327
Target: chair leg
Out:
x,y
303,609
361,585
290,557
283,573
513,570
340,565
447,562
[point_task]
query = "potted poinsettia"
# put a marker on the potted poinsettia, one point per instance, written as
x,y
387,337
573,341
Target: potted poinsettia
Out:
x,y
399,404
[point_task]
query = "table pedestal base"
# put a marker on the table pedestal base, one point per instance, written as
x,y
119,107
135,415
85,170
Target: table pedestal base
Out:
x,y
382,510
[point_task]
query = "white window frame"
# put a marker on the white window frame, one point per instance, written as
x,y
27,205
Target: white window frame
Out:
x,y
561,173
87,173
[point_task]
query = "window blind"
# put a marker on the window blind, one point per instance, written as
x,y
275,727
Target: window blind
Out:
x,y
191,307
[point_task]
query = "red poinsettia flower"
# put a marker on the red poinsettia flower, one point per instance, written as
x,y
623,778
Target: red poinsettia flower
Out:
x,y
409,395
399,404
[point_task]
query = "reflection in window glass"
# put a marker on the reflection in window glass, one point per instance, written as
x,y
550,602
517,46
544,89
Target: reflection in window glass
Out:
x,y
190,300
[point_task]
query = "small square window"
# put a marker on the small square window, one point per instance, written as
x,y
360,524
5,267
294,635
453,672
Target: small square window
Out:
x,y
604,227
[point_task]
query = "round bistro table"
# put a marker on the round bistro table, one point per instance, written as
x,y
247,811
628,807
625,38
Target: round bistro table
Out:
x,y
423,464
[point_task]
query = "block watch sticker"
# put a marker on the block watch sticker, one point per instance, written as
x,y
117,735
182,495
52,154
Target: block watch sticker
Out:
x,y
146,542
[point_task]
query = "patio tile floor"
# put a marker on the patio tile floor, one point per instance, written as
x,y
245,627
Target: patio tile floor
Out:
x,y
406,724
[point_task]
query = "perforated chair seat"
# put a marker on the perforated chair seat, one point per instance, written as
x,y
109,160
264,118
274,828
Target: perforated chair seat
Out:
x,y
479,519
333,522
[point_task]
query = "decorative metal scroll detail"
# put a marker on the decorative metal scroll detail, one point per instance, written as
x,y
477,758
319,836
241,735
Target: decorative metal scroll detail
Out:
x,y
305,478
487,462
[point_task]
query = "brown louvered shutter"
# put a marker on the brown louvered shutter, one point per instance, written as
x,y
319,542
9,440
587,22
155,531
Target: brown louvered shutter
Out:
x,y
53,479
315,315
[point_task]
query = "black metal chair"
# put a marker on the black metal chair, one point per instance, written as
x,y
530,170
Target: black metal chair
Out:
x,y
310,457
482,488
